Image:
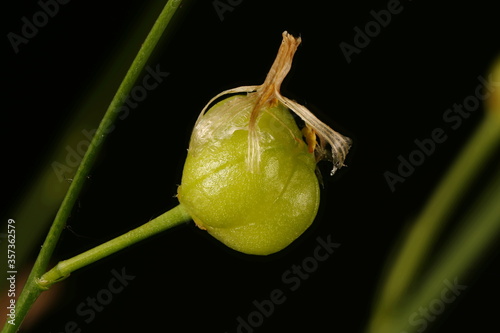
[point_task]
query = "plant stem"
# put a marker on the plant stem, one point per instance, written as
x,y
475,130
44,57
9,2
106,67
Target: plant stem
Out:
x,y
63,269
31,291
431,220
476,234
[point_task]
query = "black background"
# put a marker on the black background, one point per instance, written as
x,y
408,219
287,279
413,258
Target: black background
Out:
x,y
393,92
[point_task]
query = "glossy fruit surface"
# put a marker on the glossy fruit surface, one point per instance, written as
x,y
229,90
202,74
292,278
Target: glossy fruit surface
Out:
x,y
259,212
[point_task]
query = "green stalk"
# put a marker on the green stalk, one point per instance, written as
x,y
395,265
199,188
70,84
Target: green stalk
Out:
x,y
476,235
422,236
63,269
35,211
31,291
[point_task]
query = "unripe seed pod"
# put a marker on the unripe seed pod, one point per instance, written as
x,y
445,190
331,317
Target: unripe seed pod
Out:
x,y
249,177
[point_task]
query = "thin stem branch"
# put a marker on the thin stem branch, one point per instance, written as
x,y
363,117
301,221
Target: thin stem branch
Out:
x,y
429,223
163,222
475,235
31,291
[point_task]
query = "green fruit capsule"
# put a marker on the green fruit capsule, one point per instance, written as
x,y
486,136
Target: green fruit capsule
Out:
x,y
250,177
253,212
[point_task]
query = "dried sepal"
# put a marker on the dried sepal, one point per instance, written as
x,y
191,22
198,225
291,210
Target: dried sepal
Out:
x,y
265,96
210,127
338,143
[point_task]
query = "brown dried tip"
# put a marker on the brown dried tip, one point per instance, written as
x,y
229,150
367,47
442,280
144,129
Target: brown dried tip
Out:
x,y
268,95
